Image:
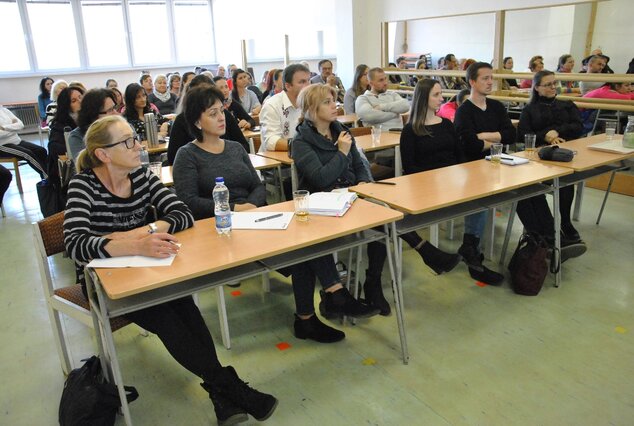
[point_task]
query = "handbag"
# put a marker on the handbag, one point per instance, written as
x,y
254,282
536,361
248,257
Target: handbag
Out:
x,y
50,197
555,153
528,265
88,399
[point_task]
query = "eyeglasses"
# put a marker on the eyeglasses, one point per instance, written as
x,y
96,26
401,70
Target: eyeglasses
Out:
x,y
129,142
551,84
109,110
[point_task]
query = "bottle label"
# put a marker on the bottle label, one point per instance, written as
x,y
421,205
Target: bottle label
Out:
x,y
223,220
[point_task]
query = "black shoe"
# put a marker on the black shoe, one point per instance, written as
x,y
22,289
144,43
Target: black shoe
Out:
x,y
374,297
570,250
569,233
341,302
260,405
316,330
227,413
473,258
436,259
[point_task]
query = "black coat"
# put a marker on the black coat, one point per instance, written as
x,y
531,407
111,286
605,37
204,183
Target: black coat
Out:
x,y
545,115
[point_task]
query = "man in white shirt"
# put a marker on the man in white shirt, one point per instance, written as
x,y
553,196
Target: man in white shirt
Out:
x,y
377,106
326,76
280,115
595,65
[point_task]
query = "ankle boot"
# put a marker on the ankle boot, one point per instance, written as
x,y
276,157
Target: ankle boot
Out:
x,y
436,259
341,302
473,258
227,413
373,292
229,386
316,330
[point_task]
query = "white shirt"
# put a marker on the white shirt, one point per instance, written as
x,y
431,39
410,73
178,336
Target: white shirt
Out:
x,y
278,120
10,132
389,114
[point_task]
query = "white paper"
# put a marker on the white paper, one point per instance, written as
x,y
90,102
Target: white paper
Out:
x,y
131,262
247,220
613,146
330,203
510,160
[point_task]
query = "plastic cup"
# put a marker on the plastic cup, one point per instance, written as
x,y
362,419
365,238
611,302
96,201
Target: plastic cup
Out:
x,y
496,152
529,142
156,168
376,135
610,130
300,198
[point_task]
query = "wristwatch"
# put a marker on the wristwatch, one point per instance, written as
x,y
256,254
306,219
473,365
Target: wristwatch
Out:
x,y
153,228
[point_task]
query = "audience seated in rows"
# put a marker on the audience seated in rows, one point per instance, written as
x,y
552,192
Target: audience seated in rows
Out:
x,y
136,106
242,95
51,108
360,84
452,83
65,120
96,103
377,106
327,76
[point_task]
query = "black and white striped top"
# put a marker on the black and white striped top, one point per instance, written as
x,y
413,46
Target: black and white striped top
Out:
x,y
92,211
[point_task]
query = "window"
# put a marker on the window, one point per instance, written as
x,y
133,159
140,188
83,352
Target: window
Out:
x,y
10,29
149,30
105,34
53,31
193,31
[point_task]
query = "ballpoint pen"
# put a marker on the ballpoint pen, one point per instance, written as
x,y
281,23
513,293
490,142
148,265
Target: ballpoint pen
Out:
x,y
384,183
262,219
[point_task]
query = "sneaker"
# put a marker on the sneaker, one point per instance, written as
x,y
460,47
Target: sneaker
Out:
x,y
227,413
258,404
316,330
571,250
341,302
436,259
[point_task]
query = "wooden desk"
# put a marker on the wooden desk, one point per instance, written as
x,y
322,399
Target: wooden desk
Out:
x,y
282,157
113,292
388,140
159,149
348,119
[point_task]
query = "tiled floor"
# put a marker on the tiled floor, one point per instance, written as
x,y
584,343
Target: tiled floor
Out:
x,y
481,356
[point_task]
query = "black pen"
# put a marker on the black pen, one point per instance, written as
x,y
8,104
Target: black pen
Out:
x,y
384,183
262,219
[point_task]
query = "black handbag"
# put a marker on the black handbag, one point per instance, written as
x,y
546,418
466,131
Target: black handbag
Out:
x,y
88,399
555,153
528,265
50,197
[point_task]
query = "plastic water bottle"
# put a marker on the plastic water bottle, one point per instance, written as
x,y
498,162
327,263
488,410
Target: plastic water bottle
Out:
x,y
222,211
144,156
628,135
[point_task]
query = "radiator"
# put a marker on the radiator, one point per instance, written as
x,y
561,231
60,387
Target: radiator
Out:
x,y
28,113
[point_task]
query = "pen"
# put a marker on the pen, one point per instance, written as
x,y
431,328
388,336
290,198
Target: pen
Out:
x,y
384,183
262,219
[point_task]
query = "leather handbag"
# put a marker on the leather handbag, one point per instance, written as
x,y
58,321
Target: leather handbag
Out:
x,y
556,153
528,265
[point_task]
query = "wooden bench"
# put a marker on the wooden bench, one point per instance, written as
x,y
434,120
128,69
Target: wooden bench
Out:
x,y
16,168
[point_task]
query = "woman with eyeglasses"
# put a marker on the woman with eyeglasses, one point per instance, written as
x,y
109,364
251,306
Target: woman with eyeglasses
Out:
x,y
97,103
113,187
553,122
136,106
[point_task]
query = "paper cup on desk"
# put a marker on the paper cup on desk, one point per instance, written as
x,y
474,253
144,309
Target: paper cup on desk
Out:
x,y
610,130
300,198
156,168
496,152
376,135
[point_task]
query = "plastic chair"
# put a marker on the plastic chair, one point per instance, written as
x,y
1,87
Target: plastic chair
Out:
x,y
69,300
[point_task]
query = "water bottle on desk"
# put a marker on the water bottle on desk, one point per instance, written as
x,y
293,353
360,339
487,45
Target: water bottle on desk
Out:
x,y
222,211
628,134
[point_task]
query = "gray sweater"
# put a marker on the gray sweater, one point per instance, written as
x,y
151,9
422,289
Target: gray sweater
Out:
x,y
195,171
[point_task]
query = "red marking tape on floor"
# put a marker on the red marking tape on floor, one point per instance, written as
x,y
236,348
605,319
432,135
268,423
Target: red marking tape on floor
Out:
x,y
481,284
236,293
283,346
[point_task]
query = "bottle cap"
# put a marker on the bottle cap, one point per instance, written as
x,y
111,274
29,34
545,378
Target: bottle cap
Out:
x,y
220,180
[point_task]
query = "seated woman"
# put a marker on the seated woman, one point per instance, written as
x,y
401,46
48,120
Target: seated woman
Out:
x,y
326,158
146,82
96,103
136,106
164,100
68,107
118,99
111,83
448,109
187,78
109,170
51,108
180,134
565,64
245,121
612,91
553,122
241,94
430,142
508,83
207,157
274,84
359,86
11,145
44,98
535,64
174,84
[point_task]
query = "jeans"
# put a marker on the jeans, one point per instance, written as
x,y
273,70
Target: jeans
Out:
x,y
474,223
303,279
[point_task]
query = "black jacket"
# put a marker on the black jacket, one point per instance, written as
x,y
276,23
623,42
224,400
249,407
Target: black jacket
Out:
x,y
545,115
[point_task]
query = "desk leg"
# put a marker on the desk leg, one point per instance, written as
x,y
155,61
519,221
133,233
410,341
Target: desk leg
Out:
x,y
489,241
222,317
280,184
509,229
397,287
605,197
398,162
557,216
578,200
434,234
294,177
107,347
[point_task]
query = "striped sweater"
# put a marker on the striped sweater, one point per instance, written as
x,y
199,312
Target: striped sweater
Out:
x,y
92,211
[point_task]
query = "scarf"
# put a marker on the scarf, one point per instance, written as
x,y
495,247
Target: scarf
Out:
x,y
164,97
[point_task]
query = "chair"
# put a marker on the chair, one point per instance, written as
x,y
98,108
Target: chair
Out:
x,y
49,239
360,131
16,167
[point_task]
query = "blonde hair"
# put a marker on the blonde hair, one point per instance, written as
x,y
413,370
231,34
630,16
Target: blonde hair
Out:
x,y
311,97
97,136
56,89
159,77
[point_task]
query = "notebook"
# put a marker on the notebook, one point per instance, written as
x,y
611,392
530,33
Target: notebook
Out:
x,y
330,203
613,146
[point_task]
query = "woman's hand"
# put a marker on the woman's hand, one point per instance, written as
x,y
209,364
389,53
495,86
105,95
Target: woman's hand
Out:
x,y
163,129
160,245
551,136
244,125
243,207
344,142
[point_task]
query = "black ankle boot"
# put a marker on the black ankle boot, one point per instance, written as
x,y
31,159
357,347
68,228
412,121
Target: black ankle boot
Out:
x,y
230,387
316,330
436,259
473,258
341,302
373,292
227,413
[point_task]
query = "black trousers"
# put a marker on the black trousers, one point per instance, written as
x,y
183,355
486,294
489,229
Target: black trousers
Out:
x,y
5,181
536,216
181,328
377,253
33,154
